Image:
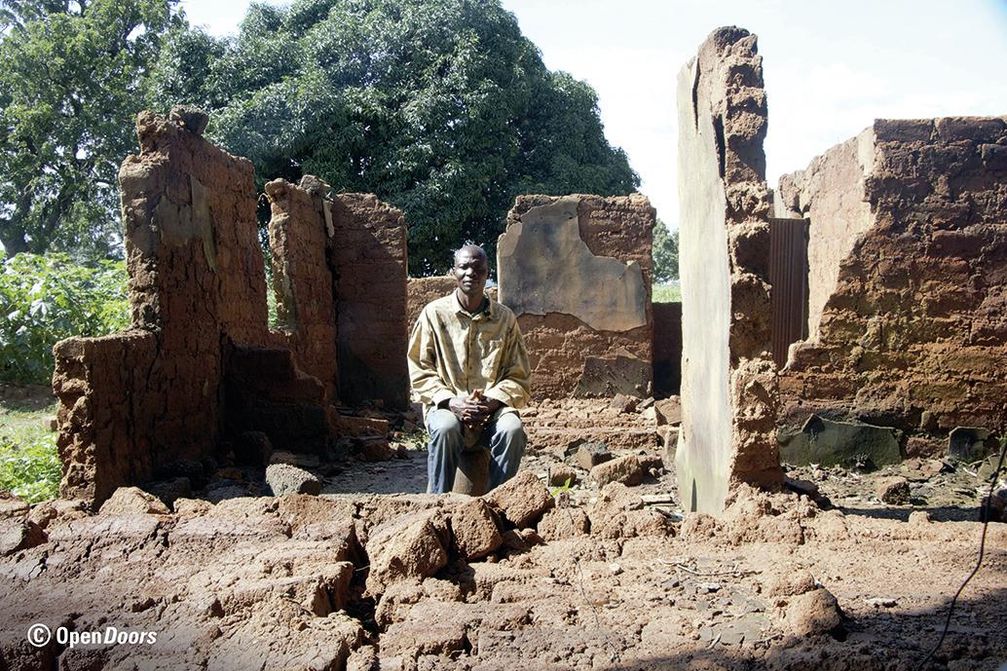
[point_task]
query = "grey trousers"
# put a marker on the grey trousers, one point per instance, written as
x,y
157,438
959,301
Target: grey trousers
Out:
x,y
505,438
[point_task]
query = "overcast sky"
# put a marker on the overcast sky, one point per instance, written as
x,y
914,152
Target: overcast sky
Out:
x,y
830,68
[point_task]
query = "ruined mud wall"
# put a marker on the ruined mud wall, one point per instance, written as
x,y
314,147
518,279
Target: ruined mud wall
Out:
x,y
577,272
422,290
368,255
134,402
913,332
299,232
728,379
830,193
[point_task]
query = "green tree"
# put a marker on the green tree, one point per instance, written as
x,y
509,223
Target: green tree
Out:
x,y
70,86
440,107
665,253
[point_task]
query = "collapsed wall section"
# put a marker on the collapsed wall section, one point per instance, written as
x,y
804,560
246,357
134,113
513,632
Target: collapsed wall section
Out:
x,y
132,403
369,258
728,389
576,270
913,331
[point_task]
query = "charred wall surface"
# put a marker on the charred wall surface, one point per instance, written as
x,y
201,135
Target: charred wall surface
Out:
x,y
728,389
577,272
913,330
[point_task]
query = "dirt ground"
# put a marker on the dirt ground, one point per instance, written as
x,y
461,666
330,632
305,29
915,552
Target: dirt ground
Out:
x,y
580,577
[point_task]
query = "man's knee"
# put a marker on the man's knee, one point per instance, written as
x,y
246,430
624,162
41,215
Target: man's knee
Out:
x,y
510,428
443,424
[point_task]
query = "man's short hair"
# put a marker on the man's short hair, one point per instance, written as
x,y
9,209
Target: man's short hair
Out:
x,y
472,248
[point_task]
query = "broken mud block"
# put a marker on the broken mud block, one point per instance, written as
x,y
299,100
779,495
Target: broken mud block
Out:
x,y
413,546
19,534
848,444
286,479
133,501
893,490
669,411
474,530
624,403
620,513
628,470
561,475
560,523
900,331
592,337
970,443
728,390
522,500
814,613
589,455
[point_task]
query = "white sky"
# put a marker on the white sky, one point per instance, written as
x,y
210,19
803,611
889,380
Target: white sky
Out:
x,y
831,67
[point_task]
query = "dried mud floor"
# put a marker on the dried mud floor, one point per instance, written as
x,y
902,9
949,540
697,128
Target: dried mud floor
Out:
x,y
612,579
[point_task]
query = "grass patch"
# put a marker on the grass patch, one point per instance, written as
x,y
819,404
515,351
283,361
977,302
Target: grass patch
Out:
x,y
29,464
666,293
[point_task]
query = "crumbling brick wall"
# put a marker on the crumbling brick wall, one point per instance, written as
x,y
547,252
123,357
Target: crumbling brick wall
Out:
x,y
912,333
368,253
728,390
134,402
577,271
300,230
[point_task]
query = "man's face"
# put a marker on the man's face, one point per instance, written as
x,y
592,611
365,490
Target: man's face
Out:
x,y
470,271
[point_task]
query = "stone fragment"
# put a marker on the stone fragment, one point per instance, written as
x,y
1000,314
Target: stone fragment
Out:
x,y
893,490
813,613
373,448
561,475
521,500
286,479
133,501
19,534
669,411
848,444
474,530
589,455
919,518
560,523
626,470
805,487
623,403
994,508
253,448
969,443
413,546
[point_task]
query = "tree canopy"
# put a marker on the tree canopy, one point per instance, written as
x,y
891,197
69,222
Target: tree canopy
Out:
x,y
70,86
440,107
665,253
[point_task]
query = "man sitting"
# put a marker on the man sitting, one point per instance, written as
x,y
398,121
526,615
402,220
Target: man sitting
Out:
x,y
469,367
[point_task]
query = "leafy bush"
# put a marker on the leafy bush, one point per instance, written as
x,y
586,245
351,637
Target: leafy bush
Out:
x,y
29,465
46,298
